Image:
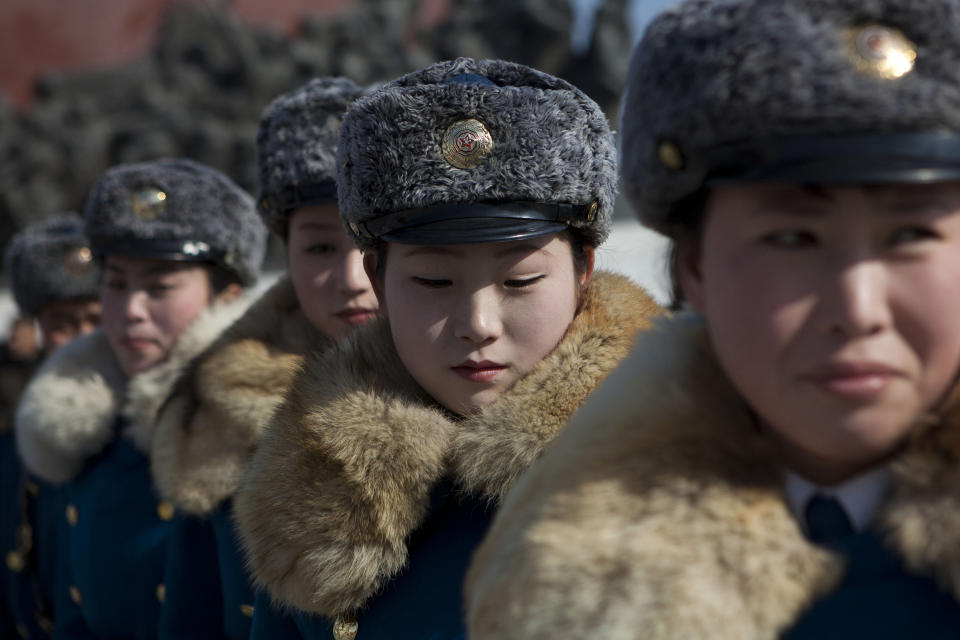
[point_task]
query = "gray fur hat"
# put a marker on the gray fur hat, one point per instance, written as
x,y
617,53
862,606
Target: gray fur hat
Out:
x,y
176,210
51,261
802,91
297,148
475,151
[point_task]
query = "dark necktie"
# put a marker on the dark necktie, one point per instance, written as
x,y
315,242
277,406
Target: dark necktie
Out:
x,y
827,520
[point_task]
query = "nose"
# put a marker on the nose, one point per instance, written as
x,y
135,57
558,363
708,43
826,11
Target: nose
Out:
x,y
854,303
478,318
135,307
354,280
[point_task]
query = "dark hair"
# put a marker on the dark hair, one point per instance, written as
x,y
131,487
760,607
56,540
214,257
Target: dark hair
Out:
x,y
576,238
220,277
686,225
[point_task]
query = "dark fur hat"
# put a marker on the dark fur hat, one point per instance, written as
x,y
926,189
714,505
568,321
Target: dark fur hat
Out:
x,y
297,148
472,150
51,261
816,91
176,210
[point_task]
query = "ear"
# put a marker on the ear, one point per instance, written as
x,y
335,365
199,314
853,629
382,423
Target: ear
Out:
x,y
230,293
584,276
689,274
370,259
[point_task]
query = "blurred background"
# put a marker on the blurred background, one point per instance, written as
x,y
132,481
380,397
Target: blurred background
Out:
x,y
86,85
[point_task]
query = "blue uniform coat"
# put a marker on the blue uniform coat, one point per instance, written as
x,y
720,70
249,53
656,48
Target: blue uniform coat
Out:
x,y
661,514
83,426
202,443
365,499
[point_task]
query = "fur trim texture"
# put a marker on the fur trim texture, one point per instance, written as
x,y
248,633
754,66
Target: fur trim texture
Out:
x,y
209,427
344,473
68,411
660,513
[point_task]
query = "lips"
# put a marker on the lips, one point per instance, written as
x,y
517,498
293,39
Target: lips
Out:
x,y
482,371
355,317
137,344
855,380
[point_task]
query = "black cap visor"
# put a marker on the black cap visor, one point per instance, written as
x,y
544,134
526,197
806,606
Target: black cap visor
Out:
x,y
839,160
476,222
154,249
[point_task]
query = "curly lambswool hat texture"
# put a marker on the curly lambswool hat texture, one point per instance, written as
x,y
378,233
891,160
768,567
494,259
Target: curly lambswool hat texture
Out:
x,y
475,151
802,91
176,210
297,148
50,262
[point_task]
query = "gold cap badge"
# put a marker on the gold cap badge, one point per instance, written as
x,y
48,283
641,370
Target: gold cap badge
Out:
x,y
466,143
79,261
882,51
149,203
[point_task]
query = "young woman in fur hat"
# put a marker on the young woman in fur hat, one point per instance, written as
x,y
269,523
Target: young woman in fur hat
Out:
x,y
54,279
177,241
478,190
784,462
210,426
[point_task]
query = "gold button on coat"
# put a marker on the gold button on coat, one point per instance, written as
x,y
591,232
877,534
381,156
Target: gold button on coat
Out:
x,y
247,610
72,515
22,631
165,511
33,489
345,628
15,562
161,593
75,595
45,623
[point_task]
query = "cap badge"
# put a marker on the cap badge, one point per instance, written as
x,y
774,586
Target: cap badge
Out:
x,y
149,203
79,261
466,143
881,51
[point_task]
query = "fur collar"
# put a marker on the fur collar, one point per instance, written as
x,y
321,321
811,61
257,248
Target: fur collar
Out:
x,y
67,413
660,514
344,473
209,427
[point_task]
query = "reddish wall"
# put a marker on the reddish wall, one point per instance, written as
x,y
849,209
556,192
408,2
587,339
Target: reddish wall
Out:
x,y
42,35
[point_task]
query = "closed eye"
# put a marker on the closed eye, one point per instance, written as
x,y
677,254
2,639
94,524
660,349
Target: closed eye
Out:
x,y
320,249
523,282
910,234
791,239
432,283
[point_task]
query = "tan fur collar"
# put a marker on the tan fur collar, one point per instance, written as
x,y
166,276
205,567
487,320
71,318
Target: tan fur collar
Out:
x,y
660,514
67,413
209,427
344,473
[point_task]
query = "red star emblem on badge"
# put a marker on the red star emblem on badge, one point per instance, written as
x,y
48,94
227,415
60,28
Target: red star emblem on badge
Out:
x,y
466,142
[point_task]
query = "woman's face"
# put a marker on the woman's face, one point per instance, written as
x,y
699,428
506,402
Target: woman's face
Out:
x,y
146,306
61,322
833,311
327,272
470,320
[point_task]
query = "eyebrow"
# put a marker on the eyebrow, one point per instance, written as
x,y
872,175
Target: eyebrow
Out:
x,y
318,226
813,200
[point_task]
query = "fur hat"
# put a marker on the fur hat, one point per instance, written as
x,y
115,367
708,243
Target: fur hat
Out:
x,y
176,210
801,91
51,261
297,147
475,151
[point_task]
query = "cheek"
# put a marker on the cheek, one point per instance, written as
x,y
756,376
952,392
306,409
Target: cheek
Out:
x,y
536,323
173,315
926,307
